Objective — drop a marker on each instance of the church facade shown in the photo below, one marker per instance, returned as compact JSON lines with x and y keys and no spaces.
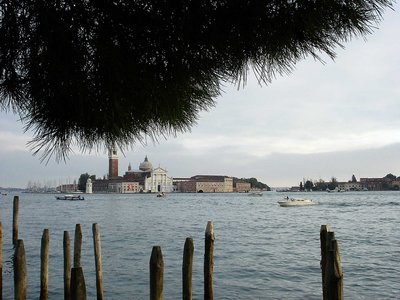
{"x":158,"y":181}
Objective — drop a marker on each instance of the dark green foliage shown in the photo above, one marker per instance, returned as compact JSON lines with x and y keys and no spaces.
{"x":308,"y":186}
{"x":390,"y":176}
{"x":99,"y":72}
{"x":333,"y":184}
{"x":82,"y":182}
{"x":320,"y":185}
{"x":254,"y":183}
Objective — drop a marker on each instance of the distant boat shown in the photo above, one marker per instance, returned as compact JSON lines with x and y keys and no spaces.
{"x":288,"y":202}
{"x":255,"y":193}
{"x":70,"y":197}
{"x":162,"y":194}
{"x":336,"y":190}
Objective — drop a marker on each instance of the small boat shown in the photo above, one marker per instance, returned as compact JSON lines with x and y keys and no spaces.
{"x":70,"y":197}
{"x":161,"y":194}
{"x":255,"y":193}
{"x":336,"y":189}
{"x":287,"y":202}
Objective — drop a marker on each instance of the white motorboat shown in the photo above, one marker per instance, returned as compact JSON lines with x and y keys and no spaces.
{"x":287,"y":202}
{"x":70,"y":197}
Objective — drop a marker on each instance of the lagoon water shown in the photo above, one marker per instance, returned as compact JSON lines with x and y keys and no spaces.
{"x":262,"y":251}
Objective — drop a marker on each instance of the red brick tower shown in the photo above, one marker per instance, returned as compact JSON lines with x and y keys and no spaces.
{"x":112,"y":163}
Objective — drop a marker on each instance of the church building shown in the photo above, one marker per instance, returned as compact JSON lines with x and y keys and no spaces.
{"x":146,"y":179}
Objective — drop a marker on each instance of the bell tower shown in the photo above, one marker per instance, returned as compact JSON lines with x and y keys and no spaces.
{"x":112,"y":162}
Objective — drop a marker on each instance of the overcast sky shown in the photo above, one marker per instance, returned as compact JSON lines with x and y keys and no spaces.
{"x":321,"y":121}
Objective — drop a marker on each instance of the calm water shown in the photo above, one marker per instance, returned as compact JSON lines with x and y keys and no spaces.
{"x":262,"y":251}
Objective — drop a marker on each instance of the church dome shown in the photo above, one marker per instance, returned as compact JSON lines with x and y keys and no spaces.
{"x":146,"y":166}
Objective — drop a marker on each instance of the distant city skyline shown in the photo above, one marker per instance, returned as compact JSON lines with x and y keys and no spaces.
{"x":319,"y":160}
{"x":321,"y":121}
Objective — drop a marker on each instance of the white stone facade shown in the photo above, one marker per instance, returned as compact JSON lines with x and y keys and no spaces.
{"x":89,"y":186}
{"x":158,"y":181}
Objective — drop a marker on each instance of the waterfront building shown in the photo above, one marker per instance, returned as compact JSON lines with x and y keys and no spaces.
{"x":350,"y":186}
{"x":242,"y":187}
{"x":129,"y":187}
{"x":124,"y":187}
{"x":295,"y":188}
{"x":68,"y":188}
{"x":205,"y":184}
{"x":185,"y":185}
{"x":114,"y":186}
{"x":375,"y":184}
{"x":395,"y":184}
{"x":370,"y":184}
{"x":100,"y":185}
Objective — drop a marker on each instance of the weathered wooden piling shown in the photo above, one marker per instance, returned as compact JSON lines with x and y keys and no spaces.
{"x":98,"y":262}
{"x":323,"y":240}
{"x":334,"y":274}
{"x":1,"y":261}
{"x":77,"y":246}
{"x":187,"y":266}
{"x":15,"y":219}
{"x":208,"y":261}
{"x":20,"y":274}
{"x":67,"y":266}
{"x":156,"y":274}
{"x":44,"y":265}
{"x":78,"y":286}
{"x":331,"y":267}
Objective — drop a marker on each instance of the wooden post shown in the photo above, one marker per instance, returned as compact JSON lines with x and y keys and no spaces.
{"x":156,"y":274}
{"x":338,"y":269}
{"x":328,"y":265}
{"x":208,"y":261}
{"x":78,"y":287}
{"x":15,"y":219}
{"x":1,"y":261}
{"x":44,"y":266}
{"x":323,"y":240}
{"x":77,"y":246}
{"x":187,"y":266}
{"x":333,"y":280}
{"x":334,"y":274}
{"x":20,"y":274}
{"x":98,"y":263}
{"x":67,"y":266}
